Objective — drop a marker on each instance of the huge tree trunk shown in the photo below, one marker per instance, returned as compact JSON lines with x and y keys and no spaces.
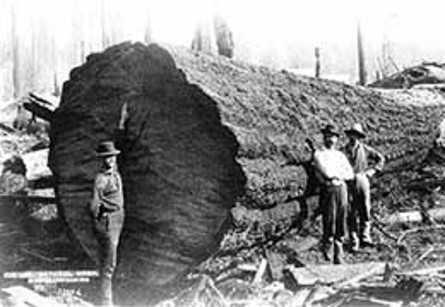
{"x":187,"y":149}
{"x":178,"y":163}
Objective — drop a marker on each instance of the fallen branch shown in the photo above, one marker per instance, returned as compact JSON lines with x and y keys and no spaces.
{"x":7,"y":128}
{"x":377,"y":224}
{"x":410,"y":231}
{"x":216,"y":292}
{"x":422,"y":256}
{"x":37,"y":255}
{"x":425,"y":271}
{"x":335,"y":275}
{"x":373,"y":270}
{"x":41,"y":100}
{"x":260,"y":272}
{"x":39,"y":110}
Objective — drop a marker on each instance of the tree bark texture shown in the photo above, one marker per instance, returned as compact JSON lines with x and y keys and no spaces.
{"x":202,"y":133}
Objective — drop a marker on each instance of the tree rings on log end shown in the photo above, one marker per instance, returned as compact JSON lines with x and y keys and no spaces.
{"x":178,"y":163}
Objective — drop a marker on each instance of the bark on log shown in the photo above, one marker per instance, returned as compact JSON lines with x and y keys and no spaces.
{"x":196,"y":130}
{"x":178,"y":163}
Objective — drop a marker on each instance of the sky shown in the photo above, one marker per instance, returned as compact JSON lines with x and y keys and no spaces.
{"x":278,"y":33}
{"x":284,"y":33}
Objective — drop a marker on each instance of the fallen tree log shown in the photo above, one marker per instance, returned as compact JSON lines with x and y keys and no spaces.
{"x":201,"y":134}
{"x":38,"y":110}
{"x":338,"y":275}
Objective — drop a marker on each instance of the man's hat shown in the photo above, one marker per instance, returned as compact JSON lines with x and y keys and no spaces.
{"x":330,"y":130}
{"x":106,"y":149}
{"x":356,"y":129}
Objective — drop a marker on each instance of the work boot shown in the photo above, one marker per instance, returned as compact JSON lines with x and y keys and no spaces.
{"x":326,"y":256}
{"x":338,"y":252}
{"x":366,"y":240}
{"x":326,"y":250}
{"x":354,"y":241}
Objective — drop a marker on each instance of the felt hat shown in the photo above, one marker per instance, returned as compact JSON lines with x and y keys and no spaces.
{"x":330,"y":130}
{"x":106,"y":149}
{"x":356,"y":129}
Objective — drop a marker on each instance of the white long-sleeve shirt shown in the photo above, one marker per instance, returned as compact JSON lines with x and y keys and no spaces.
{"x":332,"y":163}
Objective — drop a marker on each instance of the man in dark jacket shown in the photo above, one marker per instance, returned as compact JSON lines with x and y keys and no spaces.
{"x":107,"y":209}
{"x":360,"y":155}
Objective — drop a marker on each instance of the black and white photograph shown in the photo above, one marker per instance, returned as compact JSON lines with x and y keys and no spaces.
{"x":222,"y":153}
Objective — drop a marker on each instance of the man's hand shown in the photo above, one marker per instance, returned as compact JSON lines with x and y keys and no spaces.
{"x":124,"y":116}
{"x":94,"y":210}
{"x":336,"y":181}
{"x":370,"y":172}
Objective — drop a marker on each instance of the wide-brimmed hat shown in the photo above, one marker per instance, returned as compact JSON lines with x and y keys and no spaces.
{"x":106,"y":149}
{"x":356,"y":129}
{"x":330,"y":130}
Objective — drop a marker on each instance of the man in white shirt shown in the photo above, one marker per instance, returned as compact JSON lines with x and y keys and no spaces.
{"x":333,"y":170}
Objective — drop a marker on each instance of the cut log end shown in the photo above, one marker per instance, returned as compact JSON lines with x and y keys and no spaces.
{"x":178,"y":163}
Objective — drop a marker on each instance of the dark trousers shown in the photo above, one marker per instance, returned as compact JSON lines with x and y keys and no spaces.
{"x":108,"y":228}
{"x":359,"y":217}
{"x":333,"y":205}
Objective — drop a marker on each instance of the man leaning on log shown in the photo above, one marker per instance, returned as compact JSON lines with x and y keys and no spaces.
{"x":107,"y":209}
{"x":333,"y":170}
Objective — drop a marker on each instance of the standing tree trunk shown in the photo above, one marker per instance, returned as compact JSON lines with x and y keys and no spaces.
{"x":224,"y":37}
{"x":104,"y":25}
{"x":16,"y":78}
{"x":361,"y":57}
{"x":317,"y":63}
{"x":148,"y":28}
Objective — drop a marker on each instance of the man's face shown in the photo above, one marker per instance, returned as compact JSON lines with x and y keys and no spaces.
{"x":108,"y":162}
{"x":330,"y":140}
{"x":353,"y":138}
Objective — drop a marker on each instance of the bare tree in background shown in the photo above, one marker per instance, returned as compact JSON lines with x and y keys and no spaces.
{"x":361,"y":57}
{"x":317,"y":63}
{"x":197,"y":41}
{"x":202,"y":39}
{"x":147,"y":35}
{"x":15,"y":54}
{"x":224,"y":37}
{"x":105,"y":36}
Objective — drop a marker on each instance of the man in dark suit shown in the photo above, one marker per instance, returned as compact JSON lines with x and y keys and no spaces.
{"x":107,"y":209}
